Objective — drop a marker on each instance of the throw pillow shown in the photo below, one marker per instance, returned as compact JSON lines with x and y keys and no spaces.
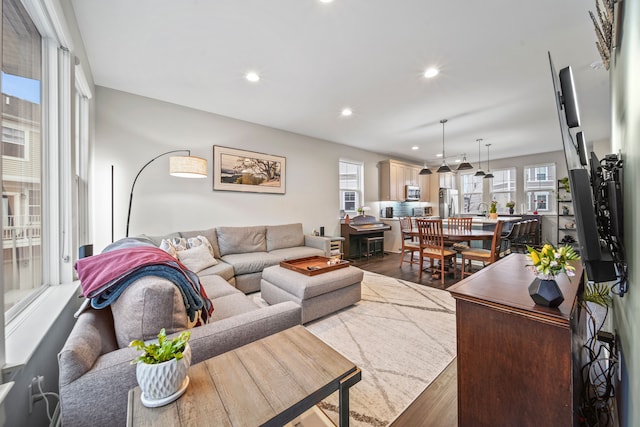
{"x":198,"y":241}
{"x":197,"y":258}
{"x":167,"y":246}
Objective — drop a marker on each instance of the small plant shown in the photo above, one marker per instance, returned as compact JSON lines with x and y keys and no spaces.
{"x":161,"y":351}
{"x":493,"y":208}
{"x":565,"y":184}
{"x":550,"y":262}
{"x":511,"y":204}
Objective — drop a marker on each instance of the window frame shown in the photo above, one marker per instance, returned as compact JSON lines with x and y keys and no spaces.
{"x":534,"y":188}
{"x":512,"y":191}
{"x":358,"y":191}
{"x":463,"y":194}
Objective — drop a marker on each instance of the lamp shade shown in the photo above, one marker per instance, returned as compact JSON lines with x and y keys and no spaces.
{"x":188,"y":167}
{"x":425,"y":171}
{"x":444,"y":168}
{"x":465,"y":165}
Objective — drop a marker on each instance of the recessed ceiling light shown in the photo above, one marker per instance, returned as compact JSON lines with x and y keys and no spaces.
{"x":252,"y":76}
{"x":431,"y":72}
{"x":415,"y":147}
{"x":439,"y":155}
{"x":346,"y":112}
{"x":457,"y":160}
{"x":326,"y":1}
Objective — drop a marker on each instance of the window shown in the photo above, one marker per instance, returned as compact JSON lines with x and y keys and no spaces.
{"x":21,"y":168}
{"x":539,"y":187}
{"x":471,"y":192}
{"x":350,"y":186}
{"x":13,"y":141}
{"x":503,"y":187}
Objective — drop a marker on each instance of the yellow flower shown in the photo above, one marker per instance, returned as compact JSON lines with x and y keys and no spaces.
{"x":535,"y":258}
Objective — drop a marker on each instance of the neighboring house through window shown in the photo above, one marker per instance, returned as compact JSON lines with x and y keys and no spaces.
{"x":539,"y":187}
{"x":472,"y":187}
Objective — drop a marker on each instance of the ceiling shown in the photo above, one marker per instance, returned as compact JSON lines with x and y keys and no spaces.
{"x":316,"y":58}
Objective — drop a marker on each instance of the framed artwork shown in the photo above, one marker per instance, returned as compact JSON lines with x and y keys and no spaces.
{"x":241,"y":170}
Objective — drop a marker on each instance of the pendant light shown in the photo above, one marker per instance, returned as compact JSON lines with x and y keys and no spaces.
{"x":479,"y":172}
{"x":464,"y":165}
{"x":425,"y":170}
{"x":444,"y":168}
{"x":489,"y":175}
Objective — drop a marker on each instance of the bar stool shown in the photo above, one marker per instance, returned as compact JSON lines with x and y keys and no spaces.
{"x":372,"y":243}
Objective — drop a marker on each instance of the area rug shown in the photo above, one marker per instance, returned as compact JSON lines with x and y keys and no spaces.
{"x":401,"y":334}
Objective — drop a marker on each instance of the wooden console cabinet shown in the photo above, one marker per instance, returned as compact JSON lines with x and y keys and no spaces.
{"x":518,"y":363}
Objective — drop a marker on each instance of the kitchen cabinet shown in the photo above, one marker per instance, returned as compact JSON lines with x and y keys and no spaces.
{"x":448,"y":180}
{"x":424,"y":182}
{"x":394,"y":176}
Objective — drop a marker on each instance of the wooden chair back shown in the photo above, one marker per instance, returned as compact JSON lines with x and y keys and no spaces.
{"x":495,"y":242}
{"x":458,"y":224}
{"x":405,"y":224}
{"x":430,"y":234}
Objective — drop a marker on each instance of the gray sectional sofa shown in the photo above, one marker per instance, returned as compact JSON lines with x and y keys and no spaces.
{"x":94,"y":364}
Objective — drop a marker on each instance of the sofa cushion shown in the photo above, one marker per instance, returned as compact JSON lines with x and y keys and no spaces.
{"x":216,"y":287}
{"x":221,"y":269}
{"x":145,"y":307}
{"x":297,"y":252}
{"x":211,"y":236}
{"x":197,"y":258}
{"x":253,"y":262}
{"x":284,"y":236}
{"x":240,"y":240}
{"x":231,"y":305}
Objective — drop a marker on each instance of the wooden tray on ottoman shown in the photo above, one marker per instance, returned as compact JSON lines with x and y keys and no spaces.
{"x":312,"y":265}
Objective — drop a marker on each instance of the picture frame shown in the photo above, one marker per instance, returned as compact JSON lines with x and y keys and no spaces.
{"x":248,"y":171}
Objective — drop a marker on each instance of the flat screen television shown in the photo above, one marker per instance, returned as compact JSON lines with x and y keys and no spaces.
{"x":592,"y":207}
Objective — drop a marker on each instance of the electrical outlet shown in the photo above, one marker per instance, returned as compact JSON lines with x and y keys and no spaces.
{"x":34,"y":391}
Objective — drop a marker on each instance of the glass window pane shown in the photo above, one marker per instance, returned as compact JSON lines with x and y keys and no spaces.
{"x":472,"y":187}
{"x":350,"y":186}
{"x":21,"y":159}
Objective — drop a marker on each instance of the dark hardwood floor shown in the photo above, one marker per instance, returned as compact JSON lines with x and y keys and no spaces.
{"x":389,"y":265}
{"x":437,"y":405}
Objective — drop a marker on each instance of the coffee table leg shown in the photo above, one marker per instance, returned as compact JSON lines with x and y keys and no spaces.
{"x":343,"y":396}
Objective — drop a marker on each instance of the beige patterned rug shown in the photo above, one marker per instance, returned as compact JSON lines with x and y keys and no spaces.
{"x":401,"y":334}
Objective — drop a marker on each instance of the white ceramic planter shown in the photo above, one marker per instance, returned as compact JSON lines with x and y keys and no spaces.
{"x":164,"y":379}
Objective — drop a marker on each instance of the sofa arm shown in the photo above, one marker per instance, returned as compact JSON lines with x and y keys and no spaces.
{"x":226,"y":334}
{"x":107,"y":382}
{"x":318,"y":242}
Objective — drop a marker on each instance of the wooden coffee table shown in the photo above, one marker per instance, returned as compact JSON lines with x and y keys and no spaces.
{"x":268,"y":382}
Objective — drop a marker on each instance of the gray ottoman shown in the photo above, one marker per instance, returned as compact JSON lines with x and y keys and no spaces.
{"x":318,"y":295}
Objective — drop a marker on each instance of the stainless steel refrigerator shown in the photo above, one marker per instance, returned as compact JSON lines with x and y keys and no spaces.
{"x":448,"y":202}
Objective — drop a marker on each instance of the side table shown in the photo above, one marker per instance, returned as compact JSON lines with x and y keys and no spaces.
{"x":268,"y":382}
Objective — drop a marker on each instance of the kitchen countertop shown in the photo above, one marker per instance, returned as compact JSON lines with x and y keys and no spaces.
{"x":485,"y":220}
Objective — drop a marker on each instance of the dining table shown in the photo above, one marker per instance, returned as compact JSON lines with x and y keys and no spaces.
{"x":458,"y":235}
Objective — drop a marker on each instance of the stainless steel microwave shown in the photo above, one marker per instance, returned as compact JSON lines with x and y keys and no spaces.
{"x":411,"y":192}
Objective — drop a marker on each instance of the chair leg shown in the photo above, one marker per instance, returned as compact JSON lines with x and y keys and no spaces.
{"x":442,"y":270}
{"x":420,"y":273}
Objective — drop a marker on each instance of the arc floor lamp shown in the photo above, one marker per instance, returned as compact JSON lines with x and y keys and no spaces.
{"x":181,"y":166}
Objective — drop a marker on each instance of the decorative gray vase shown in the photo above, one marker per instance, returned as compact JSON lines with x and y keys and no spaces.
{"x":546,"y":292}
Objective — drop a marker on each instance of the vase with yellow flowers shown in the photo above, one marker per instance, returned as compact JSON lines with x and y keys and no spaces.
{"x":547,"y":263}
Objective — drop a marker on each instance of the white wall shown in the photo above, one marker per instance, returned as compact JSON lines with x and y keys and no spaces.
{"x":625,"y":126}
{"x":131,"y":130}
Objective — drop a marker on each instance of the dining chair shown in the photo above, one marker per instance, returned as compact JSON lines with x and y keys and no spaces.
{"x":432,"y":246}
{"x":458,"y":225}
{"x":409,"y":244}
{"x":486,"y":256}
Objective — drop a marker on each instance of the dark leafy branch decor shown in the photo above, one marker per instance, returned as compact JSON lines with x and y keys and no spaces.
{"x":604,"y":28}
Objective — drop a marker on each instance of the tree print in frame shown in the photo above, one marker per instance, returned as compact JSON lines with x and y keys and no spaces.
{"x":241,"y":170}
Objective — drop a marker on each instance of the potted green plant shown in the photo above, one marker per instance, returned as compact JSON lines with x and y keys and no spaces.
{"x":161,"y":370}
{"x":511,"y":204}
{"x":547,"y":263}
{"x":564,"y":182}
{"x":493,"y":209}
